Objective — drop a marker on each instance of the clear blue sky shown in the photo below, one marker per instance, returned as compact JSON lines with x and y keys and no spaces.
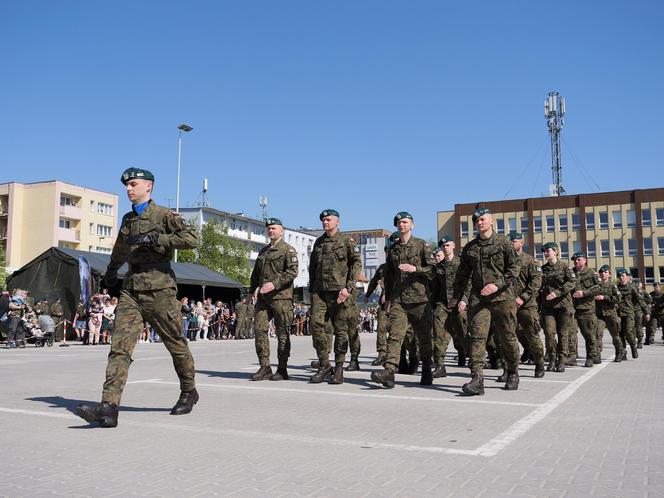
{"x":369,"y":107}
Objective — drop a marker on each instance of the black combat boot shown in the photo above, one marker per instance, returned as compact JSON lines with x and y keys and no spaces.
{"x":623,"y":356}
{"x":281,"y":373}
{"x":353,"y":365}
{"x":385,"y":377}
{"x":263,"y":373}
{"x":551,"y":366}
{"x":618,"y":357}
{"x":323,"y":371}
{"x":403,"y":363}
{"x":639,"y":345}
{"x":512,"y":383}
{"x":185,"y":403}
{"x":502,"y":377}
{"x":439,"y":371}
{"x":427,"y":376}
{"x":461,"y":360}
{"x":379,"y":361}
{"x":413,"y":364}
{"x":597,"y":358}
{"x":589,"y":362}
{"x":560,"y":365}
{"x":104,"y":414}
{"x":570,"y":361}
{"x":338,"y":377}
{"x":475,"y":387}
{"x":539,"y":370}
{"x":635,"y":353}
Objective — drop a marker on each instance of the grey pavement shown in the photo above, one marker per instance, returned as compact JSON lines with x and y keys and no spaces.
{"x":585,"y":432}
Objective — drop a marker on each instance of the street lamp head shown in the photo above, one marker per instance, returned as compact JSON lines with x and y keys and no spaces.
{"x":185,"y":127}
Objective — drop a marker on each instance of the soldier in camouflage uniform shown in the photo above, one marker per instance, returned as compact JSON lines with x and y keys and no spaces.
{"x":354,"y":343}
{"x":272,"y":290}
{"x":606,"y":304}
{"x":656,"y":313}
{"x":241,"y":311}
{"x":447,"y":325}
{"x":381,"y":332}
{"x":333,"y":268}
{"x":629,"y":301}
{"x":526,"y":290}
{"x":57,"y":314}
{"x":583,"y":297}
{"x":148,"y":236}
{"x":489,"y":267}
{"x":408,"y":271}
{"x":641,"y":313}
{"x":557,"y":309}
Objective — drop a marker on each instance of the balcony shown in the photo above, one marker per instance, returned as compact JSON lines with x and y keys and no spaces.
{"x":71,"y":212}
{"x":69,"y":234}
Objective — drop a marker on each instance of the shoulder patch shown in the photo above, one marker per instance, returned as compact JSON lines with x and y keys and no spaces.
{"x":356,"y":249}
{"x":293,"y":259}
{"x":539,"y":268}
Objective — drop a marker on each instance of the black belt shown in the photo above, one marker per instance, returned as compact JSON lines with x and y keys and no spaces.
{"x":141,"y":267}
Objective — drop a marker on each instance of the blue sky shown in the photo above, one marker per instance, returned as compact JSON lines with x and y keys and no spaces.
{"x":368,"y":107}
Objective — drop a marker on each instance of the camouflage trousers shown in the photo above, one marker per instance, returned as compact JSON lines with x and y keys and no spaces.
{"x":627,"y":335}
{"x":556,"y":324}
{"x":399,"y":318}
{"x":328,"y":319}
{"x":638,"y":326}
{"x":528,"y":327}
{"x":281,"y":310}
{"x":500,"y":317}
{"x":612,"y":322}
{"x":381,"y":332}
{"x":656,"y":319}
{"x":573,"y":339}
{"x":354,"y":343}
{"x":161,"y":309}
{"x":588,"y":325}
{"x":447,"y":326}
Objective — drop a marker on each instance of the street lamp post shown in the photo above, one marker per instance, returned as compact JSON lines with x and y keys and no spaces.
{"x":186,"y":129}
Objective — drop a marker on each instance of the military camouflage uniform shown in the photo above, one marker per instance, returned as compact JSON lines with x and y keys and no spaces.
{"x":607,"y":316}
{"x":656,"y":315}
{"x":335,"y":262}
{"x":408,"y":296}
{"x":639,"y":312}
{"x":354,"y":343}
{"x":277,"y":264}
{"x":241,"y":311}
{"x":586,"y":317}
{"x":489,"y":261}
{"x":629,"y":301}
{"x":447,"y":324}
{"x":381,"y":332}
{"x":57,"y":314}
{"x":527,"y":287}
{"x":557,"y":313}
{"x":148,"y":295}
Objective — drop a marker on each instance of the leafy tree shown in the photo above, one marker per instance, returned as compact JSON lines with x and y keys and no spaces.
{"x":3,"y":271}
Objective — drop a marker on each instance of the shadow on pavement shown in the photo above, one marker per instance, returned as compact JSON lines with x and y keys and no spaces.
{"x":71,"y":404}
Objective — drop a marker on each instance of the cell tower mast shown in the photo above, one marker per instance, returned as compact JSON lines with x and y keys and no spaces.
{"x":554,"y":110}
{"x":262,"y":202}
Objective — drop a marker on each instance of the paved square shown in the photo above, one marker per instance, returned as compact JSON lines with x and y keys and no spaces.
{"x":586,"y":432}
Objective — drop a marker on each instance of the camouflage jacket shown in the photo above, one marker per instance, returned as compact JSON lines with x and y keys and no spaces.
{"x":376,"y":280}
{"x":561,"y":280}
{"x":442,"y":286}
{"x":586,"y":281}
{"x":41,"y":308}
{"x":657,"y":302}
{"x":56,"y":310}
{"x":149,"y":267}
{"x":612,"y":298}
{"x":487,"y":261}
{"x":629,"y":301}
{"x":335,"y":263}
{"x":644,"y":300}
{"x":409,"y":288}
{"x":276,"y":264}
{"x":528,"y":283}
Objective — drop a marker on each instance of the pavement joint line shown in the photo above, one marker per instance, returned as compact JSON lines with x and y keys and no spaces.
{"x":494,"y":446}
{"x":343,"y":393}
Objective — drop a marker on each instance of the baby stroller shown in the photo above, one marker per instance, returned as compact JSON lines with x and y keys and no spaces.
{"x":35,"y":335}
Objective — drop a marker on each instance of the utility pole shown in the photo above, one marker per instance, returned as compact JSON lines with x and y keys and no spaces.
{"x":554,"y":110}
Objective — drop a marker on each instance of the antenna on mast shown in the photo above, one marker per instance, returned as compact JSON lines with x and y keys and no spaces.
{"x":554,"y":110}
{"x":202,"y":200}
{"x":262,"y":202}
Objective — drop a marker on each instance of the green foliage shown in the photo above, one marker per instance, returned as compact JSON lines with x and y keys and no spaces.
{"x":3,"y":271}
{"x":220,"y":252}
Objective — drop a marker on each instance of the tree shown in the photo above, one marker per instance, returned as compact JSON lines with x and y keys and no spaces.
{"x":3,"y":271}
{"x":220,"y":252}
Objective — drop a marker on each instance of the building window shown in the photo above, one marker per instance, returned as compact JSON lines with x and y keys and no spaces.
{"x":512,"y":224}
{"x":526,"y":249}
{"x":604,"y":247}
{"x":538,"y":248}
{"x":564,"y":250}
{"x":65,"y":200}
{"x":617,"y":219}
{"x":524,"y":224}
{"x":500,"y":225}
{"x":64,"y":223}
{"x":618,"y":247}
{"x":647,"y":247}
{"x":104,"y":231}
{"x":104,"y":250}
{"x":603,"y":220}
{"x":649,"y":275}
{"x":645,"y":218}
{"x":576,"y":246}
{"x":660,"y":246}
{"x":592,"y":249}
{"x":576,"y":222}
{"x":104,"y":208}
{"x":631,"y":218}
{"x":590,"y":221}
{"x":562,"y":220}
{"x":92,"y":228}
{"x":631,"y":247}
{"x":659,"y":214}
{"x":661,"y":274}
{"x":634,"y":272}
{"x":537,"y":221}
{"x":550,"y":224}
{"x":464,"y":229}
{"x":92,"y":208}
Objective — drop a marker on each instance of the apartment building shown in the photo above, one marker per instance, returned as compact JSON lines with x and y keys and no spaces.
{"x":372,"y":249}
{"x":624,"y":228}
{"x":37,"y":216}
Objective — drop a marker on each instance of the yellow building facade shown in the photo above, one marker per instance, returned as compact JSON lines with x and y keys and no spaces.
{"x":37,"y":216}
{"x":620,"y":229}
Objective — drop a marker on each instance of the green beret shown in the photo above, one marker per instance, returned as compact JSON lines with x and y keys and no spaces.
{"x":605,"y":268}
{"x":480,"y":212}
{"x":444,"y":240}
{"x":136,"y":174}
{"x":328,"y":212}
{"x":436,"y":251}
{"x":579,"y":254}
{"x":514,"y":235}
{"x":549,"y":245}
{"x":273,"y":221}
{"x":401,"y":215}
{"x":620,"y":271}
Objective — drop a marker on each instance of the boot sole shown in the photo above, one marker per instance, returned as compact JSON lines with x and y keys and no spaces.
{"x":472,"y":393}
{"x":91,"y":419}
{"x":188,"y":411}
